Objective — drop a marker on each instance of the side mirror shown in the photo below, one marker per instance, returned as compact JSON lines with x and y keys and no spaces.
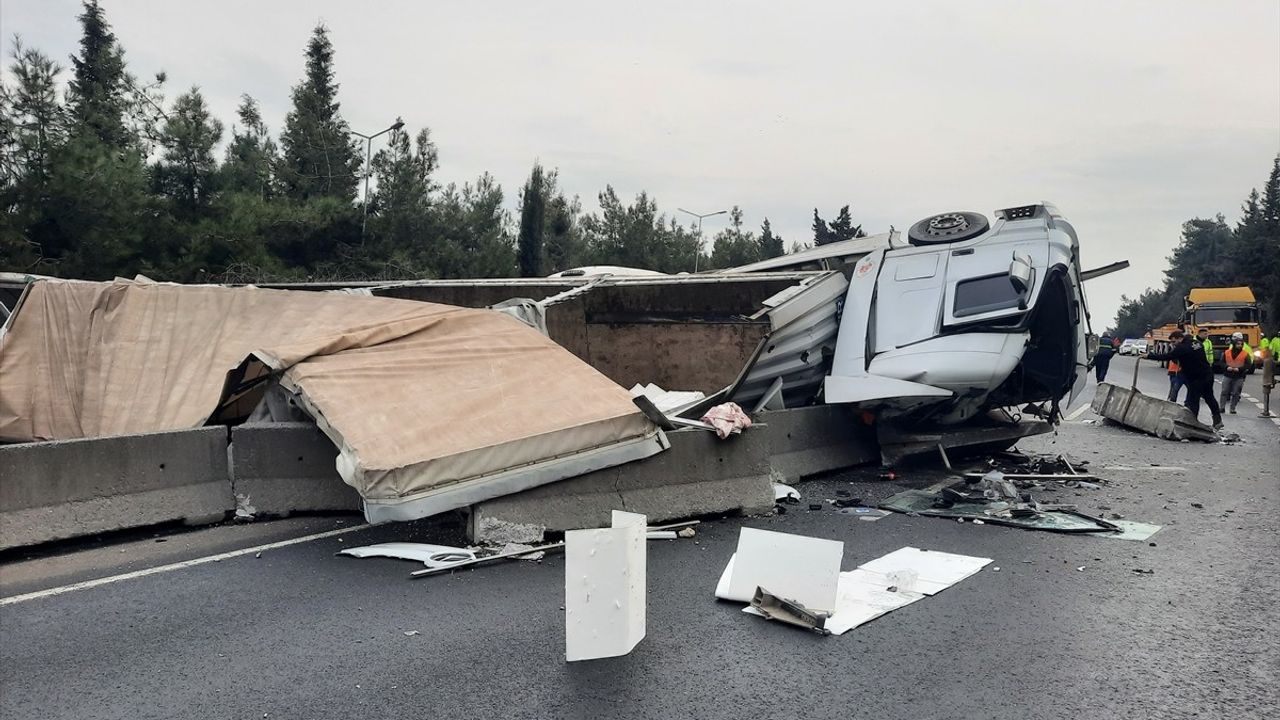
{"x":1020,"y":274}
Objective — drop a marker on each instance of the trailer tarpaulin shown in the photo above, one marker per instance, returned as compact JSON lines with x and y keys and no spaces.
{"x":432,"y":407}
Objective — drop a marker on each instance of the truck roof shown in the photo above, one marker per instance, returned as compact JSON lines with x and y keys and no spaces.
{"x":1202,"y":296}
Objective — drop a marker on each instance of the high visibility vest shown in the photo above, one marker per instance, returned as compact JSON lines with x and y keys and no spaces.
{"x":1235,"y":358}
{"x":1208,"y":350}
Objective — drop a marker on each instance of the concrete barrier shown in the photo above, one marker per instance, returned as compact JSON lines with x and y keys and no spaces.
{"x":813,"y":440}
{"x":1155,"y":416}
{"x":698,"y":475}
{"x":288,"y":467}
{"x":64,"y":489}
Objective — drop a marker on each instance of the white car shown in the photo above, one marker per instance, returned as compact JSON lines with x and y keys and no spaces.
{"x":1127,"y":347}
{"x":966,"y":317}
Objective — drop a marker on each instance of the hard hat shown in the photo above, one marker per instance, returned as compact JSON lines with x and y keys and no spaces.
{"x":1237,"y":336}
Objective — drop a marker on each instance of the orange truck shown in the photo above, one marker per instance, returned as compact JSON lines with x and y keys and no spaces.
{"x":1224,"y":311}
{"x":1158,"y":340}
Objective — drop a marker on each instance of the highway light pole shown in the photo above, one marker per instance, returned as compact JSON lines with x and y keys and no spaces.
{"x":698,"y":255}
{"x":368,"y":168}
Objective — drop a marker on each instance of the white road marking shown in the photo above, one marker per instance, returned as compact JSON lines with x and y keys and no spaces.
{"x":1077,"y":412}
{"x":85,"y":585}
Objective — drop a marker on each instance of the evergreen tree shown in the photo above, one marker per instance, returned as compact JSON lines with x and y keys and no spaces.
{"x":733,"y":247}
{"x":401,"y":241}
{"x":842,"y":228}
{"x":474,"y":231}
{"x":97,"y":199}
{"x":533,"y":207}
{"x":32,"y":128}
{"x":563,"y":244}
{"x":821,"y":231}
{"x":97,"y":93}
{"x":771,"y":246}
{"x":188,"y":170}
{"x":251,"y":154}
{"x":319,"y":158}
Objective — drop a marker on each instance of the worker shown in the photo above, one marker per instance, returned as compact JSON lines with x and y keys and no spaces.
{"x":1197,"y":374}
{"x":1102,"y":361}
{"x":1236,"y":359}
{"x":1175,"y":380}
{"x":1202,"y":336}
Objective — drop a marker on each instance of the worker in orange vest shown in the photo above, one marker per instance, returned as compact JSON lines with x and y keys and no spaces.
{"x":1236,"y":359}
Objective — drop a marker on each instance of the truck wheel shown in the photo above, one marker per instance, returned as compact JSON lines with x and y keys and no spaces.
{"x":947,"y":228}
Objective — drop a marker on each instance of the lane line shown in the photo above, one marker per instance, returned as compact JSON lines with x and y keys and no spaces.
{"x":1077,"y":412}
{"x":86,"y":584}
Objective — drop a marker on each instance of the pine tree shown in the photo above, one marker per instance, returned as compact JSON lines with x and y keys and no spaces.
{"x":97,"y":203}
{"x":251,"y":154}
{"x":533,"y":207}
{"x":401,"y":241}
{"x":733,"y":247}
{"x":319,"y":158}
{"x":187,"y":173}
{"x":842,"y":228}
{"x":32,"y":127}
{"x":98,"y":88}
{"x":821,"y":231}
{"x":771,"y":246}
{"x":563,"y":246}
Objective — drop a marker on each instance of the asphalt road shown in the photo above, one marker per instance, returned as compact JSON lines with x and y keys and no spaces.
{"x":300,"y":633}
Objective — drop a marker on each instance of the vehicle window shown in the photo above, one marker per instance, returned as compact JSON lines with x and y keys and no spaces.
{"x":985,"y":294}
{"x":1227,"y":315}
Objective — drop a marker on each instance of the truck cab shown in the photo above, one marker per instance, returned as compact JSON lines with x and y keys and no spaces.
{"x":966,"y":317}
{"x":1224,"y":311}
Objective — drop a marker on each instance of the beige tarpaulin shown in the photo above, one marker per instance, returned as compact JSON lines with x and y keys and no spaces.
{"x":431,"y":406}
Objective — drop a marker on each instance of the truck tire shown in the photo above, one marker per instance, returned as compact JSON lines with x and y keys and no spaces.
{"x":947,"y":228}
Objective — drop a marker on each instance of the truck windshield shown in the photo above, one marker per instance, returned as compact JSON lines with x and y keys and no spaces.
{"x":1226,"y":315}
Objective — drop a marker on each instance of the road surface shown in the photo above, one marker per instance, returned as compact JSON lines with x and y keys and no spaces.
{"x":1064,"y":629}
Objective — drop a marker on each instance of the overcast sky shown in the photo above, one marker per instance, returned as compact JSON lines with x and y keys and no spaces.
{"x":1131,"y":116}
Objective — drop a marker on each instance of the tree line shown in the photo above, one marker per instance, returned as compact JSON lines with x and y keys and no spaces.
{"x":1213,"y":254}
{"x":110,"y":178}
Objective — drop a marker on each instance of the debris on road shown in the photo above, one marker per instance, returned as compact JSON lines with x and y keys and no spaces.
{"x":964,"y":501}
{"x":605,"y":588}
{"x":864,"y":513}
{"x":531,"y":553}
{"x":882,"y":585}
{"x":772,"y":607}
{"x":1154,"y":416}
{"x":433,"y":556}
{"x":807,"y":567}
{"x":785,"y":493}
{"x":245,"y":512}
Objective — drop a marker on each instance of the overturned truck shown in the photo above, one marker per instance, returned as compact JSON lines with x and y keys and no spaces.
{"x":947,"y":337}
{"x":434,"y":402}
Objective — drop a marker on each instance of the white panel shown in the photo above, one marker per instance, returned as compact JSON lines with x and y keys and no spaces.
{"x":934,"y":571}
{"x":796,"y":567}
{"x":604,"y":588}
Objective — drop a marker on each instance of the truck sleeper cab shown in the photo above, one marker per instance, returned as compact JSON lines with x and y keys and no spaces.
{"x":964,"y":318}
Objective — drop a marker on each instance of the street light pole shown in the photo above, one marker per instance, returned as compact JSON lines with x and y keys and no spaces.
{"x":368,"y":169}
{"x":698,"y":255}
